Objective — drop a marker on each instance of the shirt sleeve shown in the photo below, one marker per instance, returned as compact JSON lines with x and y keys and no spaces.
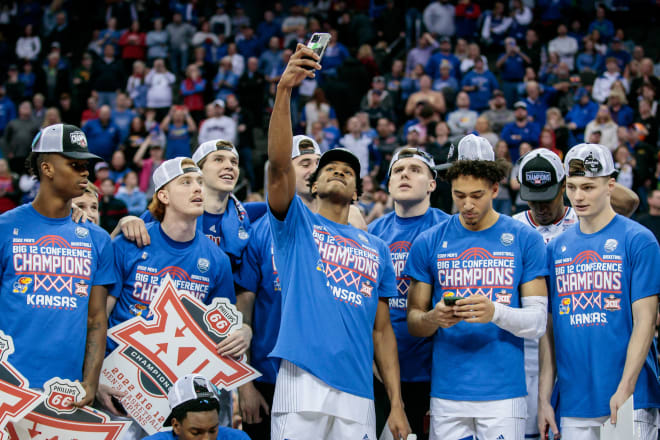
{"x":535,"y":257}
{"x":223,"y":283}
{"x":284,"y":230}
{"x":249,"y":272}
{"x":417,"y":266}
{"x":106,"y":258}
{"x":118,"y":266}
{"x":387,"y":286}
{"x":644,"y":262}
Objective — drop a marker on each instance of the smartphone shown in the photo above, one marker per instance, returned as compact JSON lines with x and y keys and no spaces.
{"x":318,"y":44}
{"x":450,"y":300}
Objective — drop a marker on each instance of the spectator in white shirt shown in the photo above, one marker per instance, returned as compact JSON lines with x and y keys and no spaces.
{"x":217,"y":125}
{"x":28,"y":46}
{"x":159,"y":80}
{"x":565,"y":46}
{"x":603,"y":84}
{"x":439,"y":18}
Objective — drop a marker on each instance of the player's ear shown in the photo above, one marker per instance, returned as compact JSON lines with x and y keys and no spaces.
{"x":47,"y":169}
{"x":163,"y":196}
{"x":495,"y":189}
{"x":432,"y":186}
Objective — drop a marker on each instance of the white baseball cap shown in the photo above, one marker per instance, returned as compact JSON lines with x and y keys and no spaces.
{"x":596,"y":158}
{"x":170,"y":170}
{"x":209,"y":147}
{"x":309,"y":146}
{"x":473,"y":147}
{"x":415,"y":153}
{"x":191,"y":387}
{"x":540,"y":173}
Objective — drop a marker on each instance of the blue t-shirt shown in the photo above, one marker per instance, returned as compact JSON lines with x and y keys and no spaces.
{"x":399,"y":233}
{"x":258,"y":274}
{"x":594,"y":279}
{"x":178,"y":142}
{"x":477,"y":362}
{"x":230,"y":230}
{"x":223,"y":434}
{"x":197,"y":267}
{"x":485,"y":83}
{"x":48,"y":268}
{"x":332,"y":276}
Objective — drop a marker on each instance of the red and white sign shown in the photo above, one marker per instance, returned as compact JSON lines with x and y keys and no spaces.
{"x":180,"y":339}
{"x":16,"y":399}
{"x":56,"y":418}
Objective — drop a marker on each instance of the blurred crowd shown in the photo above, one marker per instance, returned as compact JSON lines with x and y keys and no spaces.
{"x":149,"y":80}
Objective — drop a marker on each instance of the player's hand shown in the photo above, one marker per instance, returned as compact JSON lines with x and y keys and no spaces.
{"x":78,"y":215}
{"x":616,"y":401}
{"x":237,"y":343}
{"x":398,"y":423}
{"x":104,"y":394}
{"x":295,"y":73}
{"x":476,"y":308}
{"x":135,"y":230}
{"x":546,"y":419}
{"x":250,"y":401}
{"x":442,"y":315}
{"x":90,"y":392}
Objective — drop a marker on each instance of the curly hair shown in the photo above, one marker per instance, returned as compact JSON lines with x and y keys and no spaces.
{"x":479,"y":169}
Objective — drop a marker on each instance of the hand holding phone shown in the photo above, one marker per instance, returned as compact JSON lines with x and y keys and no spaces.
{"x":318,"y":43}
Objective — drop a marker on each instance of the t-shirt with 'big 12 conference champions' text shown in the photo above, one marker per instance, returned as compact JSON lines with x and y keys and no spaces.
{"x":399,"y":233}
{"x":477,"y":362}
{"x":595,"y":279}
{"x":48,"y":270}
{"x":197,"y":267}
{"x":332,"y":278}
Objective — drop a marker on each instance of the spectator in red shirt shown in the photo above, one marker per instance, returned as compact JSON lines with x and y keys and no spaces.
{"x":133,"y":46}
{"x":192,"y":90}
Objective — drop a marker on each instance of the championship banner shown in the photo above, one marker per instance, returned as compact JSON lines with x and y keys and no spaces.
{"x":180,"y":339}
{"x":16,"y":399}
{"x":56,"y":418}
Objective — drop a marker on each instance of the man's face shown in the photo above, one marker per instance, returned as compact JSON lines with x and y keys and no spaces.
{"x":107,"y":187}
{"x":89,"y":204}
{"x":68,"y":176}
{"x":654,"y":200}
{"x":104,"y":114}
{"x":221,"y":171}
{"x":184,"y":195}
{"x":473,"y":198}
{"x":410,"y":181}
{"x":304,"y":165}
{"x":588,"y":195}
{"x":520,"y":113}
{"x":383,"y":128}
{"x":201,"y":425}
{"x":548,"y":212}
{"x":337,"y":182}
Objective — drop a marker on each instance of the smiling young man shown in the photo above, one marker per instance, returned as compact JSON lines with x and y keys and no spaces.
{"x":604,"y":284}
{"x":177,"y":248}
{"x":335,"y":282}
{"x":259,"y":297}
{"x":42,"y":245}
{"x":195,"y":406}
{"x":495,"y":266}
{"x":411,"y":182}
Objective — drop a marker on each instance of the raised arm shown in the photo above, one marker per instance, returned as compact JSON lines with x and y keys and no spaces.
{"x":281,"y":177}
